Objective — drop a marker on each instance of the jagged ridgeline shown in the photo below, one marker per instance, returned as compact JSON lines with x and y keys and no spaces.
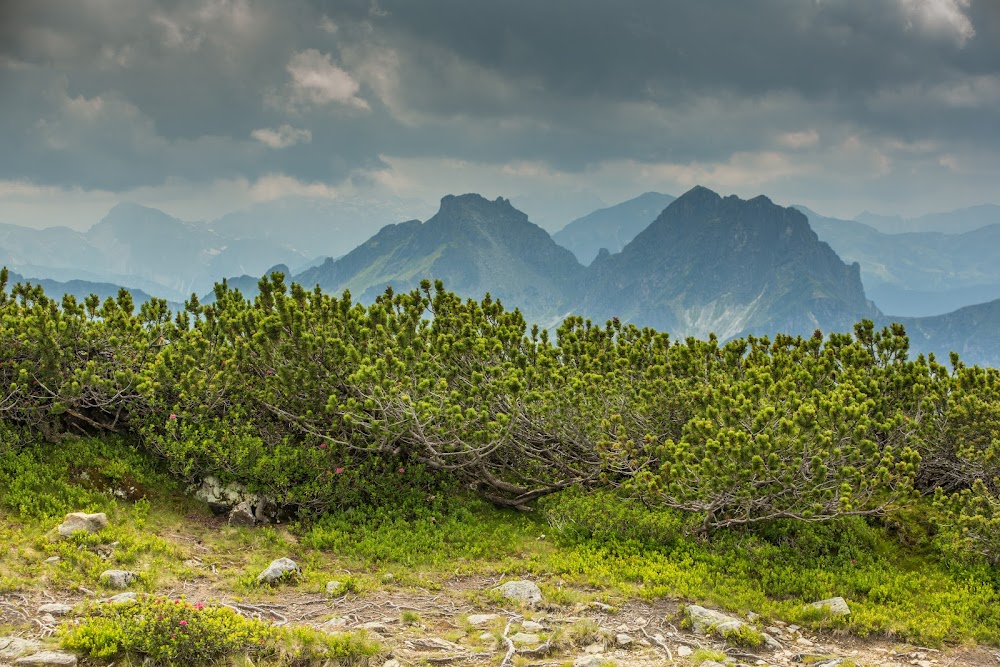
{"x":322,"y":402}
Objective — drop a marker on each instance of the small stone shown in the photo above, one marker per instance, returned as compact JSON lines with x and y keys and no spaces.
{"x":521,"y":591}
{"x":774,"y":630}
{"x":752,"y":617}
{"x":52,"y":559}
{"x":333,"y":587}
{"x":488,"y":637}
{"x":48,"y":659}
{"x":596,"y":647}
{"x":802,"y":641}
{"x":712,"y":663}
{"x":432,"y":644}
{"x":592,"y":661}
{"x":80,"y":522}
{"x":118,"y":578}
{"x":792,"y":628}
{"x":376,"y":627}
{"x":623,"y":640}
{"x":122,"y":598}
{"x":335,"y":623}
{"x":601,"y":606}
{"x":279,"y":567}
{"x":392,"y":662}
{"x":524,"y":638}
{"x":477,"y":620}
{"x":684,"y":651}
{"x":532,"y":626}
{"x":834,"y":606}
{"x":55,"y":608}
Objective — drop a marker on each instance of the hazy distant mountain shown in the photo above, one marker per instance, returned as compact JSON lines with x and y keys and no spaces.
{"x":728,"y":266}
{"x":918,"y":274}
{"x":316,"y":227}
{"x":80,"y":289}
{"x":950,"y":222}
{"x":973,"y":332}
{"x":474,"y":245}
{"x":143,"y":247}
{"x":611,"y":228}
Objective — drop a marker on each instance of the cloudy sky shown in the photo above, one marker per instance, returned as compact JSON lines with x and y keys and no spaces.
{"x":200,"y":107}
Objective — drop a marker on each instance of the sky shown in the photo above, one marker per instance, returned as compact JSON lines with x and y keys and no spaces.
{"x":201,"y":107}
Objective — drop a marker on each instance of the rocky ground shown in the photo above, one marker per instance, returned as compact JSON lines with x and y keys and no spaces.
{"x":481,"y":621}
{"x":431,"y":628}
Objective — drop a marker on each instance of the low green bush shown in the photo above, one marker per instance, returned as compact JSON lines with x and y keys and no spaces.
{"x":177,"y":632}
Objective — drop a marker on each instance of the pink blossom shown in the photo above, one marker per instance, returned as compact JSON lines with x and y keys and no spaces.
{"x":322,"y":446}
{"x":339,"y":470}
{"x":402,"y":470}
{"x":199,"y":606}
{"x":173,"y":416}
{"x":184,"y":622}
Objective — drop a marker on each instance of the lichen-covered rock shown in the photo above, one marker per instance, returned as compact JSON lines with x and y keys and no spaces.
{"x":526,"y":592}
{"x":478,"y":620}
{"x":118,"y":578}
{"x":525,"y":639}
{"x":279,"y":568}
{"x":121,"y":598}
{"x":80,"y":522}
{"x":834,"y":606}
{"x":705,"y":620}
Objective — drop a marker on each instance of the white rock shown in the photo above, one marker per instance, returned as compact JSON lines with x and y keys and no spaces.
{"x":278,"y":568}
{"x":532,"y":626}
{"x":52,"y":559}
{"x":80,"y":522}
{"x":684,"y":651}
{"x":333,"y":587}
{"x":477,"y":620}
{"x":122,"y":598}
{"x":55,"y":608}
{"x":521,"y":591}
{"x":623,"y":640}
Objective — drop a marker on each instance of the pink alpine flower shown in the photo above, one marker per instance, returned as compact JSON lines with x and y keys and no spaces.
{"x":173,"y":416}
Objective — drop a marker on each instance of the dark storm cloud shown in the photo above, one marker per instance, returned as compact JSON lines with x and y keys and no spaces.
{"x":122,"y":93}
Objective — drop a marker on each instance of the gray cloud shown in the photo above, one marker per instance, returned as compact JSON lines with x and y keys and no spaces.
{"x":832,"y":98}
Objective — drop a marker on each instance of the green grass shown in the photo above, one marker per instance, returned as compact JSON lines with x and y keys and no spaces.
{"x":899,"y":581}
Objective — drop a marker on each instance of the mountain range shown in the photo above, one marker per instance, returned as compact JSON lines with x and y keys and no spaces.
{"x":691,"y":266}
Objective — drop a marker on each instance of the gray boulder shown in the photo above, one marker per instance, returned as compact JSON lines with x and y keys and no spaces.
{"x":834,"y":606}
{"x":14,"y":647}
{"x":48,"y":659}
{"x":242,"y":515}
{"x":55,"y":608}
{"x":715,"y":622}
{"x":80,"y":522}
{"x":278,"y":568}
{"x":526,"y":592}
{"x":121,"y":598}
{"x":118,"y":578}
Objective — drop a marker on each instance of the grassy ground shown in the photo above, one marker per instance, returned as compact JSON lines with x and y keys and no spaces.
{"x":900,"y":581}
